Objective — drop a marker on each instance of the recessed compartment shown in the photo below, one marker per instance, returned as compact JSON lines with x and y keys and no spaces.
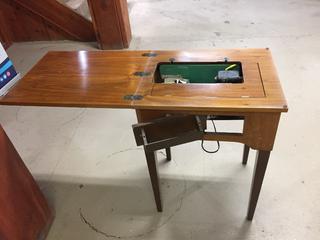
{"x":199,"y":72}
{"x":202,"y":81}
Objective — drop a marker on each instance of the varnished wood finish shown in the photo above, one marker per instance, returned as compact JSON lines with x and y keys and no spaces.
{"x":5,"y":37}
{"x":151,"y":158}
{"x":262,"y":159}
{"x":23,"y":25}
{"x":259,"y":133}
{"x":24,"y":212}
{"x":167,"y":132}
{"x":102,"y":79}
{"x":259,"y":130}
{"x":62,"y":17}
{"x":245,"y":156}
{"x":165,"y":128}
{"x":224,"y":137}
{"x":32,"y":20}
{"x":148,"y":115}
{"x":111,"y":23}
{"x":168,"y":154}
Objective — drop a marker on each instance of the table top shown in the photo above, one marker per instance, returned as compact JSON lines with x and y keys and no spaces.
{"x":108,"y":79}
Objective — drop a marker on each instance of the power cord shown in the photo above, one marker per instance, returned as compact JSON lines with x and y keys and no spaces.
{"x":218,"y":142}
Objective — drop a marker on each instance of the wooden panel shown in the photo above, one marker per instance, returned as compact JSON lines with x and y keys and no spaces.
{"x":28,"y":21}
{"x":5,"y":36}
{"x":102,"y":79}
{"x":225,"y":137}
{"x":124,"y":22}
{"x":148,"y":115}
{"x":24,"y":212}
{"x":54,"y":33}
{"x":35,"y":30}
{"x":62,"y":17}
{"x":259,"y":128}
{"x":111,"y":23}
{"x":23,"y":25}
{"x":81,"y":78}
{"x":165,"y":128}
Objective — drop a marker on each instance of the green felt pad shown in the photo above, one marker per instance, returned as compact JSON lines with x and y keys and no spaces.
{"x":196,"y":73}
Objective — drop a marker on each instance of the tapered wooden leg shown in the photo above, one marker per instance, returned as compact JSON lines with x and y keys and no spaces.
{"x":168,"y":153}
{"x":246,"y":149}
{"x":153,"y":172}
{"x":258,"y":175}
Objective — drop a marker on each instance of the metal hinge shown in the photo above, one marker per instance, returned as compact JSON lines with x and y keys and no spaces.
{"x":142,"y":74}
{"x":133,"y":97}
{"x":149,"y":54}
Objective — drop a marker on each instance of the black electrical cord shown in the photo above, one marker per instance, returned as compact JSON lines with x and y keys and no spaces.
{"x":218,"y":142}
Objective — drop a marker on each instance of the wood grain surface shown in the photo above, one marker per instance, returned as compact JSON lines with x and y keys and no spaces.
{"x":24,"y":212}
{"x":111,"y":23}
{"x":62,"y":17}
{"x":104,"y":78}
{"x":5,"y":36}
{"x":32,"y":20}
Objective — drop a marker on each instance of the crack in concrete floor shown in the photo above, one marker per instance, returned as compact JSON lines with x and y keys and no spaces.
{"x":114,"y":236}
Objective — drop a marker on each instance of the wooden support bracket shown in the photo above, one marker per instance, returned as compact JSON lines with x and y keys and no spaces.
{"x":111,"y":23}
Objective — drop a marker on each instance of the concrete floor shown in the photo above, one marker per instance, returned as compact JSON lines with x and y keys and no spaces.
{"x":94,"y":176}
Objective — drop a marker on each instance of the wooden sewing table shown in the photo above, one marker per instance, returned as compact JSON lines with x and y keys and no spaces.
{"x":125,"y":79}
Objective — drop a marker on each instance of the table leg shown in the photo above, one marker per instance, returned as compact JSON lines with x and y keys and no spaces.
{"x":246,"y":149}
{"x":153,"y":172}
{"x":168,"y":153}
{"x":258,"y":175}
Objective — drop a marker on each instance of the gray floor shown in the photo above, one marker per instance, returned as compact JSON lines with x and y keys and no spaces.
{"x":87,"y":164}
